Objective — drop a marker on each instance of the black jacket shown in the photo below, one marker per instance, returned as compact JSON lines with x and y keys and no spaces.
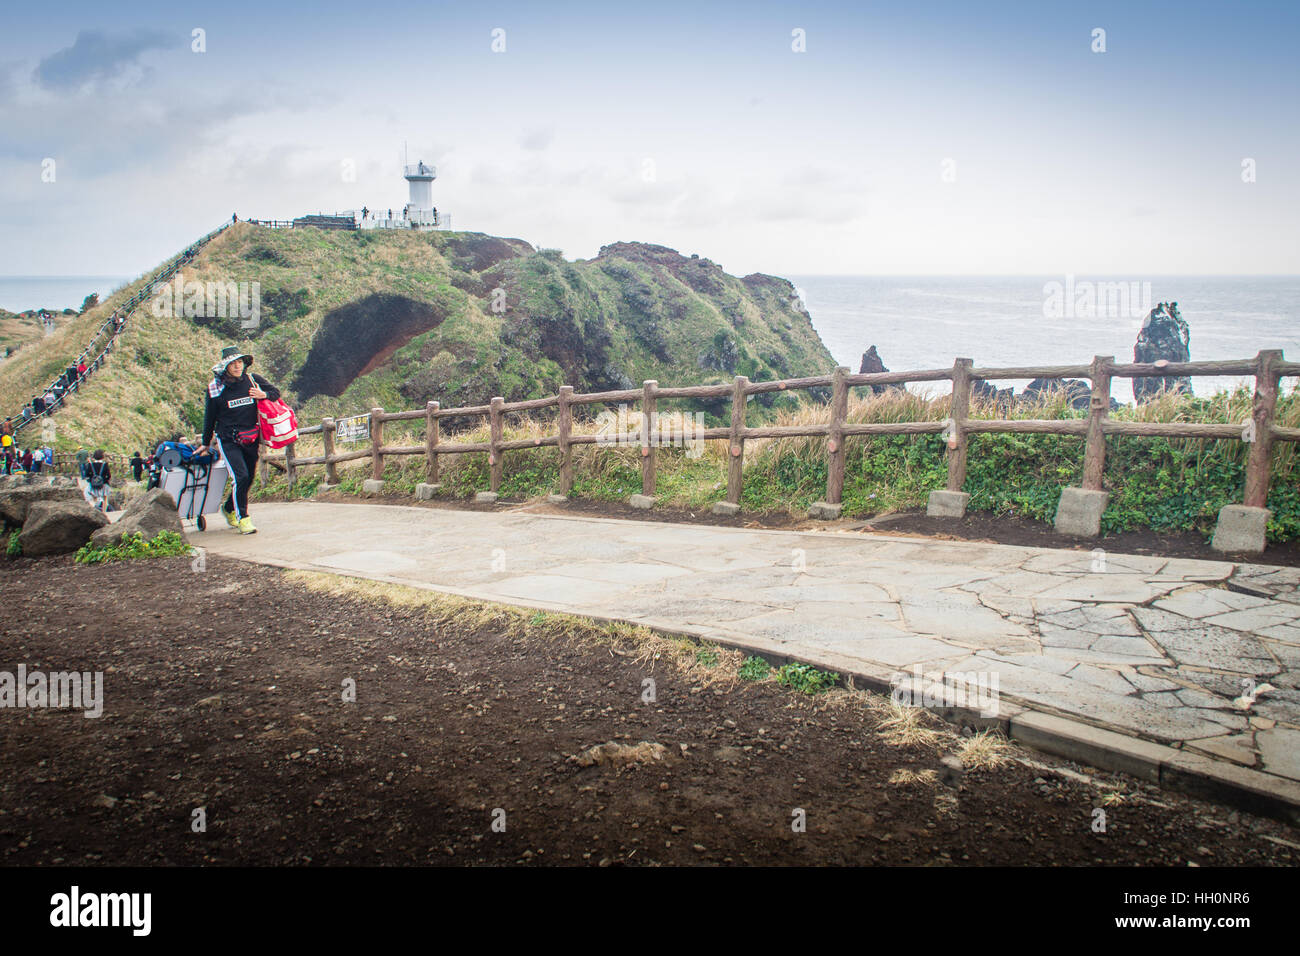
{"x":234,"y":410}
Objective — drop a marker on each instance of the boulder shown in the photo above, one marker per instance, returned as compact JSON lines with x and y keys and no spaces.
{"x":1164,"y":337}
{"x":148,"y":514}
{"x":54,"y":527}
{"x":17,"y":499}
{"x":1078,"y":393}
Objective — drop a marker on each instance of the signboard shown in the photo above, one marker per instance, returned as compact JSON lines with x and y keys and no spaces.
{"x":352,"y":429}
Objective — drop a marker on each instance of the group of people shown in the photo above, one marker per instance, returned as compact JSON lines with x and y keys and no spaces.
{"x":231,"y":432}
{"x":15,"y":460}
{"x":69,"y":380}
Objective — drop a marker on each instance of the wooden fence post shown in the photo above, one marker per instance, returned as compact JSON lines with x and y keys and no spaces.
{"x":431,"y":442}
{"x":958,"y":411}
{"x":566,"y":449}
{"x":327,"y":436}
{"x":289,"y":469}
{"x":377,"y":442}
{"x":1094,"y":457}
{"x":835,"y":440}
{"x":1259,"y":457}
{"x":649,"y":436}
{"x":264,"y":467}
{"x":494,"y":439}
{"x":736,"y":441}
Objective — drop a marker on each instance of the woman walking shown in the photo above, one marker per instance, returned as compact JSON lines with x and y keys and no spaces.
{"x":230,"y":427}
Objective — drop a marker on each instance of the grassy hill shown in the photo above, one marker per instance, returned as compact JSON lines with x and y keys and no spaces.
{"x":350,"y":320}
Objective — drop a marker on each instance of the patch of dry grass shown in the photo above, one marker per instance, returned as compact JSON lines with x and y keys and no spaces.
{"x":984,"y":751}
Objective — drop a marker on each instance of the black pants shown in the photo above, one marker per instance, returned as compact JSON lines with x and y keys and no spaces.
{"x":242,"y":462}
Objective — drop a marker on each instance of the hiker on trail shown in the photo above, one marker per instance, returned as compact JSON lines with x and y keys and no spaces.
{"x":38,"y":460}
{"x":98,"y":475}
{"x":137,"y":466}
{"x":27,"y":460}
{"x":231,"y":426}
{"x":82,"y":456}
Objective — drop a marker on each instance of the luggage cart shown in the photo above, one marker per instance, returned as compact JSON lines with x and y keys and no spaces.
{"x":196,"y":482}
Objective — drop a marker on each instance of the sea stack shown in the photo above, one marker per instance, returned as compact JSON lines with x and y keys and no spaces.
{"x":1164,"y":336}
{"x":871,"y":363}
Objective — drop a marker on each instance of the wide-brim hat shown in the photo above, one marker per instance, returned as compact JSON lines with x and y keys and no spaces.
{"x":230,"y":354}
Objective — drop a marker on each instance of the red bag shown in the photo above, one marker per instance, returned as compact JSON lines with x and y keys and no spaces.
{"x":279,"y":426}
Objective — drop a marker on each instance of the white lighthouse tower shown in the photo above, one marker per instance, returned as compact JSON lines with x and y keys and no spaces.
{"x":420,"y":212}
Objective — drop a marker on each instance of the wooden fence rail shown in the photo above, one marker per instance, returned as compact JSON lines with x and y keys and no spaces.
{"x":1260,"y":431}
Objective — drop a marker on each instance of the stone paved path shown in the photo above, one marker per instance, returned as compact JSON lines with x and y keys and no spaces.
{"x":1147,"y":647}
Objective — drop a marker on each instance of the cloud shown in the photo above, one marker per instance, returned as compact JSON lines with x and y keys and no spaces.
{"x":536,"y":140}
{"x":96,"y":55}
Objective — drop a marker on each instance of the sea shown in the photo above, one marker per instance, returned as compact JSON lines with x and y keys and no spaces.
{"x":56,"y":293}
{"x":924,"y":322}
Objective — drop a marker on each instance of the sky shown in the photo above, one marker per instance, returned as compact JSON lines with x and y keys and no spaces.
{"x":788,"y":138}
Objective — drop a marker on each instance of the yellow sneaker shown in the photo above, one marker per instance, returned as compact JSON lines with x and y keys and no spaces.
{"x":230,"y":518}
{"x":246,"y":526}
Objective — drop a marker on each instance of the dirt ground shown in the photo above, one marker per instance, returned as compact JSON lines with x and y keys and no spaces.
{"x":975,"y":526}
{"x":224,"y":690}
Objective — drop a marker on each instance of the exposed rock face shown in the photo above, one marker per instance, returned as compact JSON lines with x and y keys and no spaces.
{"x":150,"y":513}
{"x":17,"y":499}
{"x":358,"y":337}
{"x":1164,"y":336}
{"x":55,"y":527}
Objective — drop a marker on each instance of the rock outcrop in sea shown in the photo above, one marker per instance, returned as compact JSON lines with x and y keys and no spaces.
{"x":871,"y":362}
{"x":1164,"y":336}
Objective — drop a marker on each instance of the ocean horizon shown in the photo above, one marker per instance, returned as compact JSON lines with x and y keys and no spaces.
{"x":923,"y":322}
{"x":22,"y":293}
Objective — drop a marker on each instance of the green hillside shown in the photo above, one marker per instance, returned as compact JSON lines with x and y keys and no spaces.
{"x":350,"y":320}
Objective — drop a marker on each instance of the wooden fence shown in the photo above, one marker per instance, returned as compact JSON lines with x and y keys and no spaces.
{"x":1268,"y":367}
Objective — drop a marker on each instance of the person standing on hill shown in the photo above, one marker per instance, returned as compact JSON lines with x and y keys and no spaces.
{"x":230,"y":426}
{"x":137,"y":466}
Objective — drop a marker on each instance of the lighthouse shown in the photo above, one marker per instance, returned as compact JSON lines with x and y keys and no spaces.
{"x":419,"y":211}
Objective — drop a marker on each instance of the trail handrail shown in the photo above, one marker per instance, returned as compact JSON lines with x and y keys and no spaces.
{"x":117,"y":320}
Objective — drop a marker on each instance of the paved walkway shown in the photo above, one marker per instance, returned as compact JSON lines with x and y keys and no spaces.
{"x":1156,"y":650}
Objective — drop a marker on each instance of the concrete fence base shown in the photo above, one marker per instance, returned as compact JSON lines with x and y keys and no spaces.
{"x":946,"y":504}
{"x":1079,"y":512}
{"x":372,"y":486}
{"x":725,"y":508}
{"x":824,"y":510}
{"x":1240,"y":528}
{"x":425,"y":491}
{"x":486,"y":497}
{"x":644,"y":502}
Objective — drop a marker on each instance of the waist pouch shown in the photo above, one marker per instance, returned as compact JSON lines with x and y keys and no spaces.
{"x":248,"y":436}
